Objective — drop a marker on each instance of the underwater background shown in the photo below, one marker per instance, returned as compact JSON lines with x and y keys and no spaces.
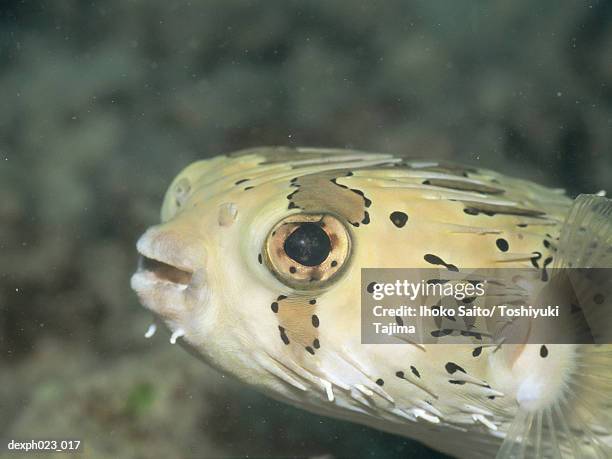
{"x":103,"y":103}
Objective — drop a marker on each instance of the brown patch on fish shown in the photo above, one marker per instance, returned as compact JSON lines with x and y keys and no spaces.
{"x":320,"y":191}
{"x":476,"y":208}
{"x":463,"y":186}
{"x":298,"y":323}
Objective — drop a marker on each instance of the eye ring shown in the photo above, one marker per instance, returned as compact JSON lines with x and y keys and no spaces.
{"x":306,"y":251}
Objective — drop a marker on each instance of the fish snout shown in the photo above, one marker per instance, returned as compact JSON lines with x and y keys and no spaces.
{"x":170,"y":270}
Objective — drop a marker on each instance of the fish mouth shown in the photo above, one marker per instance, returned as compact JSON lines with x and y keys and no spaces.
{"x":169,"y":280}
{"x":159,"y":271}
{"x":161,"y":262}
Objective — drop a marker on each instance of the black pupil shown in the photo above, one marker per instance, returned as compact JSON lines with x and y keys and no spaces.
{"x":309,"y":245}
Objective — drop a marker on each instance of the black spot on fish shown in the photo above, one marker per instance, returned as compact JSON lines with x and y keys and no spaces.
{"x":400,"y":374}
{"x":437,"y":281}
{"x":310,"y":350}
{"x":248,"y":188}
{"x":274,"y":307}
{"x":316,"y":343}
{"x":471,"y":211}
{"x":415,"y":371}
{"x":535,"y":258}
{"x":398,"y":218}
{"x":473,"y":334}
{"x":543,"y":351}
{"x":283,"y":335}
{"x":454,"y":381}
{"x":502,"y":244}
{"x":313,"y":301}
{"x":281,"y":297}
{"x":315,"y":321}
{"x":259,"y":259}
{"x":490,"y":210}
{"x":463,"y":186}
{"x":380,"y":382}
{"x":443,"y":332}
{"x":334,"y":263}
{"x":292,"y":270}
{"x":452,"y":367}
{"x":544,"y":272}
{"x":477,"y":351}
{"x":366,"y":218}
{"x":435,"y":260}
{"x":241,"y":181}
{"x":292,"y":205}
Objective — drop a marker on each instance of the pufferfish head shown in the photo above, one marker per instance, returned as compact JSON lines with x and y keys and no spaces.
{"x":256,"y":264}
{"x":249,"y":247}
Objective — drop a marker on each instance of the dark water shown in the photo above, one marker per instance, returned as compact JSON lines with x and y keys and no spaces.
{"x":102,"y":103}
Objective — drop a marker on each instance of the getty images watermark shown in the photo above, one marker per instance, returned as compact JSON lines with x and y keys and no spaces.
{"x":32,"y":446}
{"x":489,"y":306}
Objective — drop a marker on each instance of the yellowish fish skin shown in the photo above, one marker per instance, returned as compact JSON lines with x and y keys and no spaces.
{"x":221,"y":298}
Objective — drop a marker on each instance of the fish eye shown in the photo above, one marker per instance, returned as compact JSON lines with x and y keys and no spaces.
{"x":305,"y":251}
{"x":309,"y":245}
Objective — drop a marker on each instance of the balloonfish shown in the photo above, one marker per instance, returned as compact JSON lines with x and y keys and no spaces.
{"x":256,"y":266}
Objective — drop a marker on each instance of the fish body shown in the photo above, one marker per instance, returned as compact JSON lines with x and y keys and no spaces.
{"x":256,"y":266}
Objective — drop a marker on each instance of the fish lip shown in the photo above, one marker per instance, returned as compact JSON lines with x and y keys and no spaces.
{"x":143,"y":281}
{"x":147,"y":249}
{"x":160,"y":272}
{"x":157,"y":269}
